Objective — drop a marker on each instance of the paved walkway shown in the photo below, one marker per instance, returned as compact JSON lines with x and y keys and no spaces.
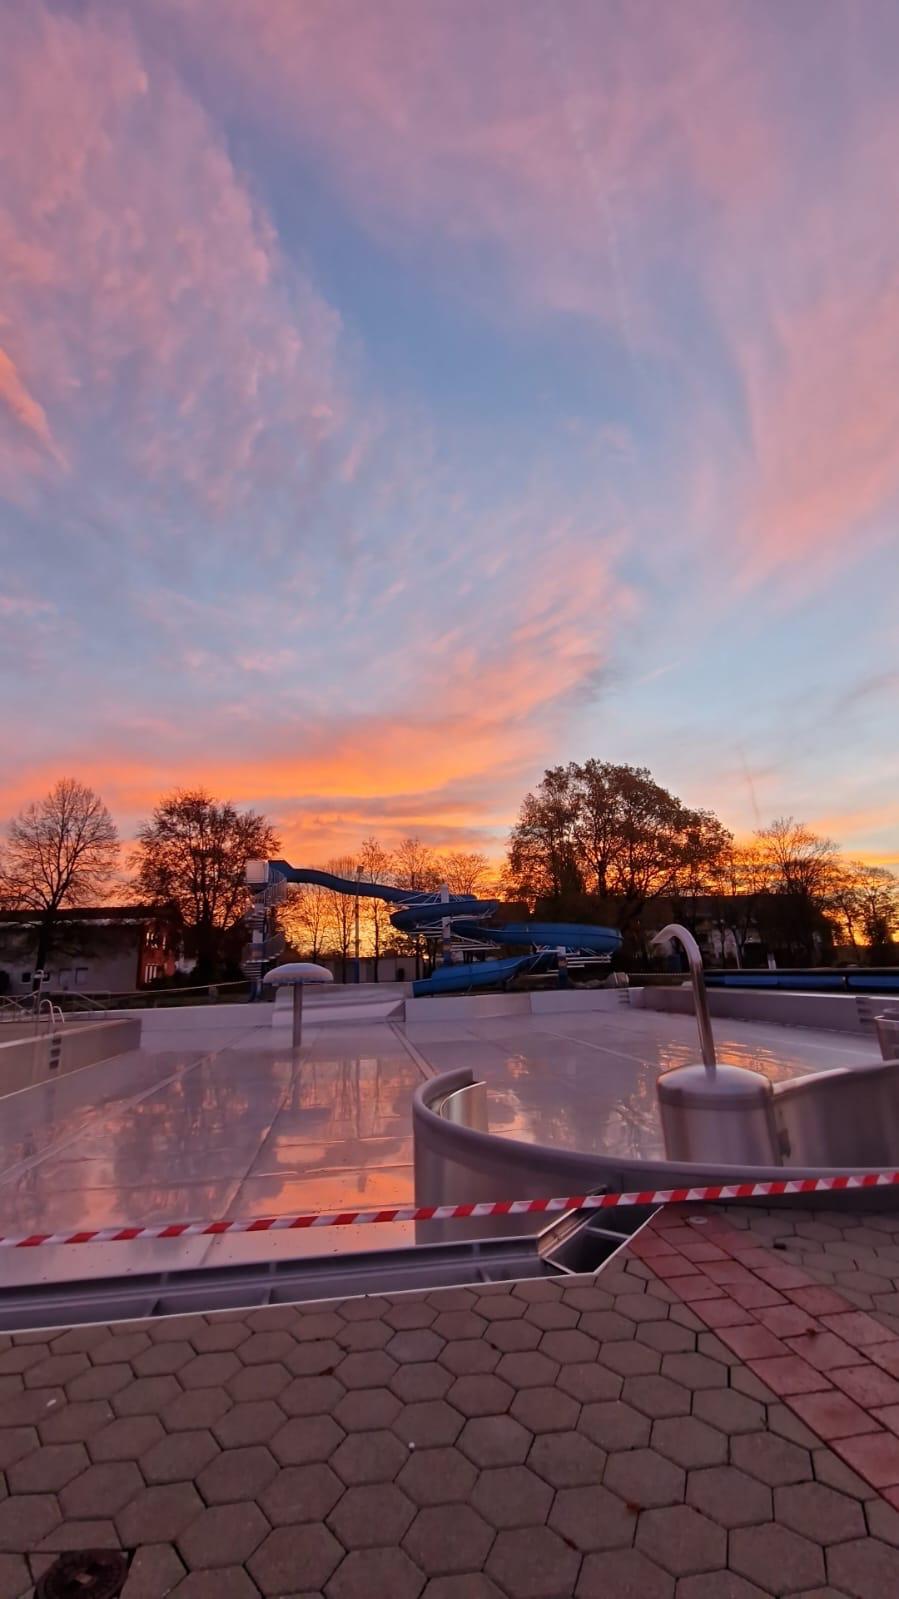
{"x":714,"y":1415}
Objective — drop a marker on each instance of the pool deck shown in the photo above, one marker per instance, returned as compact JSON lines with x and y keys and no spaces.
{"x":712,"y":1415}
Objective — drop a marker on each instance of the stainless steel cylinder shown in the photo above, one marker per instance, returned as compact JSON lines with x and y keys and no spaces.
{"x":723,"y":1116}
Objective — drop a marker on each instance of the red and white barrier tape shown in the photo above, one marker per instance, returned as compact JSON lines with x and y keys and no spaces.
{"x":712,"y":1193}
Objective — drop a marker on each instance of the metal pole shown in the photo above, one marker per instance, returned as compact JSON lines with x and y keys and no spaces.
{"x":446,"y":926}
{"x":297,"y":1015}
{"x":358,"y":879}
{"x":691,"y":949}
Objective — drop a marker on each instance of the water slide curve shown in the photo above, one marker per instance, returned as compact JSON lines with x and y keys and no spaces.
{"x":424,"y":911}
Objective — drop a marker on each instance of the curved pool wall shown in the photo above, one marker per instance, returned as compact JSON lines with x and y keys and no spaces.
{"x":456,"y":1164}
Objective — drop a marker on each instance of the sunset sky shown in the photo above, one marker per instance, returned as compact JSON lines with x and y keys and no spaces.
{"x":399,"y":396}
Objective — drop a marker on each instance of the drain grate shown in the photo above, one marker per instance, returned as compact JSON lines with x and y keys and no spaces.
{"x":84,"y":1574}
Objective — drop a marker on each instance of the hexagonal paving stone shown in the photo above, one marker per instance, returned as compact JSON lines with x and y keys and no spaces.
{"x":533,"y":1563}
{"x":643,"y":1478}
{"x":369,"y":1457}
{"x":162,"y":1358}
{"x":254,"y":1422}
{"x":666,"y":1336}
{"x":145,"y":1396}
{"x":592,"y":1518}
{"x":15,"y":1443}
{"x":689,"y":1441}
{"x":179,"y":1457}
{"x":359,"y":1335}
{"x":627,"y":1574}
{"x":200,"y":1408}
{"x":126,"y":1438}
{"x":773,"y":1460}
{"x":729,"y":1585}
{"x":527,"y":1368}
{"x":154,"y":1572}
{"x":300,"y":1493}
{"x":237,"y":1474}
{"x":614,"y":1425}
{"x":157,"y":1515}
{"x":480,"y":1395}
{"x":545,"y":1410}
{"x":372,"y":1515}
{"x":632,"y":1358}
{"x":266,"y":1348}
{"x":410,"y":1313}
{"x":47,"y":1470}
{"x":366,"y":1369}
{"x":448,"y":1538}
{"x":210,"y":1370}
{"x":459,"y":1324}
{"x":56,"y":1369}
{"x":314,"y":1359}
{"x":656,"y":1396}
{"x":216,"y":1336}
{"x":867,"y":1569}
{"x":295,"y":1558}
{"x":428,"y":1425}
{"x":306,"y":1438}
{"x":511,"y":1337}
{"x":120,"y":1346}
{"x":730,"y":1497}
{"x":25,"y":1521}
{"x":695,"y":1371}
{"x":495,"y":1441}
{"x":474,"y":1585}
{"x":606,"y":1326}
{"x":101,"y":1490}
{"x":681,"y":1540}
{"x":224,"y":1535}
{"x":415,"y":1344}
{"x":72,"y":1423}
{"x":314,"y":1325}
{"x":729,"y":1411}
{"x":819,"y":1512}
{"x":101,"y":1382}
{"x":589,"y":1382}
{"x":437,"y":1476}
{"x":259,"y":1382}
{"x":501,"y":1306}
{"x":778,"y":1560}
{"x":366,"y":1409}
{"x":551,"y":1313}
{"x":312,"y":1396}
{"x":512,"y":1496}
{"x":418,"y":1381}
{"x":566,"y":1459}
{"x":365,"y":1573}
{"x":470,"y":1355}
{"x":226,"y":1582}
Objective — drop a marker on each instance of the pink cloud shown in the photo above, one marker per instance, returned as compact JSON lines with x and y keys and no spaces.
{"x":145,"y":287}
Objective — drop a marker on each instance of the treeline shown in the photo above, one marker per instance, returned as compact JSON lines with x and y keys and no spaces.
{"x":595,"y":842}
{"x":603,"y":842}
{"x":63,"y":851}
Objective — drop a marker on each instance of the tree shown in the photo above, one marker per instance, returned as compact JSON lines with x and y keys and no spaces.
{"x":342,"y":910}
{"x":192,"y":855}
{"x":611,"y":829}
{"x":866,"y":900}
{"x":802,"y":869}
{"x":377,"y":866}
{"x":304,"y":918}
{"x":464,"y":872}
{"x":62,"y":852}
{"x":415,"y":865}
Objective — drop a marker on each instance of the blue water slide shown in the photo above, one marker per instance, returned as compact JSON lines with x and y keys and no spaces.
{"x":464,"y":979}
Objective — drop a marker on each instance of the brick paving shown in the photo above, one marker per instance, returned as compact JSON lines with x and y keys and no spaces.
{"x":713,"y":1415}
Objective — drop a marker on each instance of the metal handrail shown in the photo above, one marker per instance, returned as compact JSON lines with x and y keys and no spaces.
{"x":674,"y":932}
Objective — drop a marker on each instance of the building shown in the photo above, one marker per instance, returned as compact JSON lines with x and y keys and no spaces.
{"x":105,"y":949}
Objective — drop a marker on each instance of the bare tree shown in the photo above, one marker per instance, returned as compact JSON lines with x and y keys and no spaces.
{"x":342,"y":911}
{"x":377,"y":866}
{"x":192,"y":854}
{"x":62,"y":852}
{"x":464,"y":871}
{"x":305,"y":918}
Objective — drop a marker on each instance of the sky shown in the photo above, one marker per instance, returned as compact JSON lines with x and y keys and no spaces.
{"x":398,"y":399}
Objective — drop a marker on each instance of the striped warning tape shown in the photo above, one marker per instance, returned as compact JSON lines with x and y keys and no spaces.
{"x":479,"y":1211}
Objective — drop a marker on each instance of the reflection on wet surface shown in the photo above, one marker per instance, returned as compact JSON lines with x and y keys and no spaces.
{"x":233,"y":1125}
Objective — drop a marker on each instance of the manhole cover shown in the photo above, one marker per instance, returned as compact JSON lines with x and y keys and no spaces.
{"x":84,"y":1574}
